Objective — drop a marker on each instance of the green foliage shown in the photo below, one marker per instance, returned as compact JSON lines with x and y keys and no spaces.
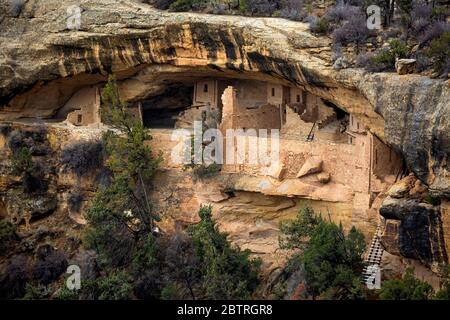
{"x":121,"y":217}
{"x":33,"y":293}
{"x":22,"y":162}
{"x":169,"y":292}
{"x":227,"y":272}
{"x":444,"y":292}
{"x":128,"y":153}
{"x":24,"y":166}
{"x":111,"y":231}
{"x":407,"y":288}
{"x":7,"y":235}
{"x":115,"y":286}
{"x":184,"y":5}
{"x":201,"y":170}
{"x":323,"y":26}
{"x":439,"y":52}
{"x":386,"y":57}
{"x":332,"y":261}
{"x":66,"y":294}
{"x":295,"y":233}
{"x":439,"y":12}
{"x":204,"y":171}
{"x":432,"y":200}
{"x":145,"y":256}
{"x":405,"y":5}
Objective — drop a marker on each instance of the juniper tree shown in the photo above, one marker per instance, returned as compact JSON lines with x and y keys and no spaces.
{"x":121,"y":216}
{"x":330,"y":259}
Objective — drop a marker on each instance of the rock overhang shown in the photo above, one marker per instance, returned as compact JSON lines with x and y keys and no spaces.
{"x":148,"y":48}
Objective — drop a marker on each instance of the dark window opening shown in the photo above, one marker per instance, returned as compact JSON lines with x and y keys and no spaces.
{"x":298,"y":98}
{"x":79,"y":118}
{"x":376,"y":156}
{"x":357,"y":125}
{"x":205,"y":88}
{"x":340,"y":114}
{"x":230,"y":193}
{"x":273,"y":92}
{"x":163,"y":110}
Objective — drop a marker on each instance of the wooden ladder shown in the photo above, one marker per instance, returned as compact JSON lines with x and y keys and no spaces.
{"x":373,"y":259}
{"x":310,"y":136}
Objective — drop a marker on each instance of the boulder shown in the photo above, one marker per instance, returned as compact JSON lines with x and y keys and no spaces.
{"x":413,"y":230}
{"x":312,"y":165}
{"x":405,"y":66}
{"x":324,"y":177}
{"x":340,"y":63}
{"x":276,"y":171}
{"x":402,"y":187}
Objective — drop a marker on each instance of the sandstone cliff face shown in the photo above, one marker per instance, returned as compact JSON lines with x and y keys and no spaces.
{"x":416,"y":224}
{"x":42,"y":63}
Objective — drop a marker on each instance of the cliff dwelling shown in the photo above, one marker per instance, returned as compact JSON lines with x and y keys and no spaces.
{"x":326,"y":154}
{"x":357,"y":136}
{"x":83,"y":108}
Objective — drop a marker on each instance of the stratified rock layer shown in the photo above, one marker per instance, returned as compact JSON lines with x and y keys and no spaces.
{"x":42,"y":63}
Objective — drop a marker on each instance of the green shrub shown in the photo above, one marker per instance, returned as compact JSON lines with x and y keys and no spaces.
{"x":444,"y":291}
{"x":296,"y":232}
{"x":7,"y":235}
{"x":330,"y":260}
{"x":204,"y":171}
{"x":24,"y":166}
{"x":66,"y":294}
{"x":227,"y":272}
{"x":22,"y":162}
{"x":439,"y":52}
{"x":115,"y":286}
{"x":385,"y":58}
{"x":432,"y":200}
{"x":439,"y":12}
{"x":323,"y":26}
{"x":407,"y":288}
{"x":169,"y":292}
{"x":34,"y":293}
{"x":185,"y":5}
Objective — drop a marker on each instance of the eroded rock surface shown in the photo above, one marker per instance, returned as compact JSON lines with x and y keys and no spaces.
{"x":416,"y":225}
{"x":42,"y":63}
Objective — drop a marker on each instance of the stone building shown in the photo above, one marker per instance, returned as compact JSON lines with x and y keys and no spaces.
{"x":83,"y":107}
{"x":325,"y":153}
